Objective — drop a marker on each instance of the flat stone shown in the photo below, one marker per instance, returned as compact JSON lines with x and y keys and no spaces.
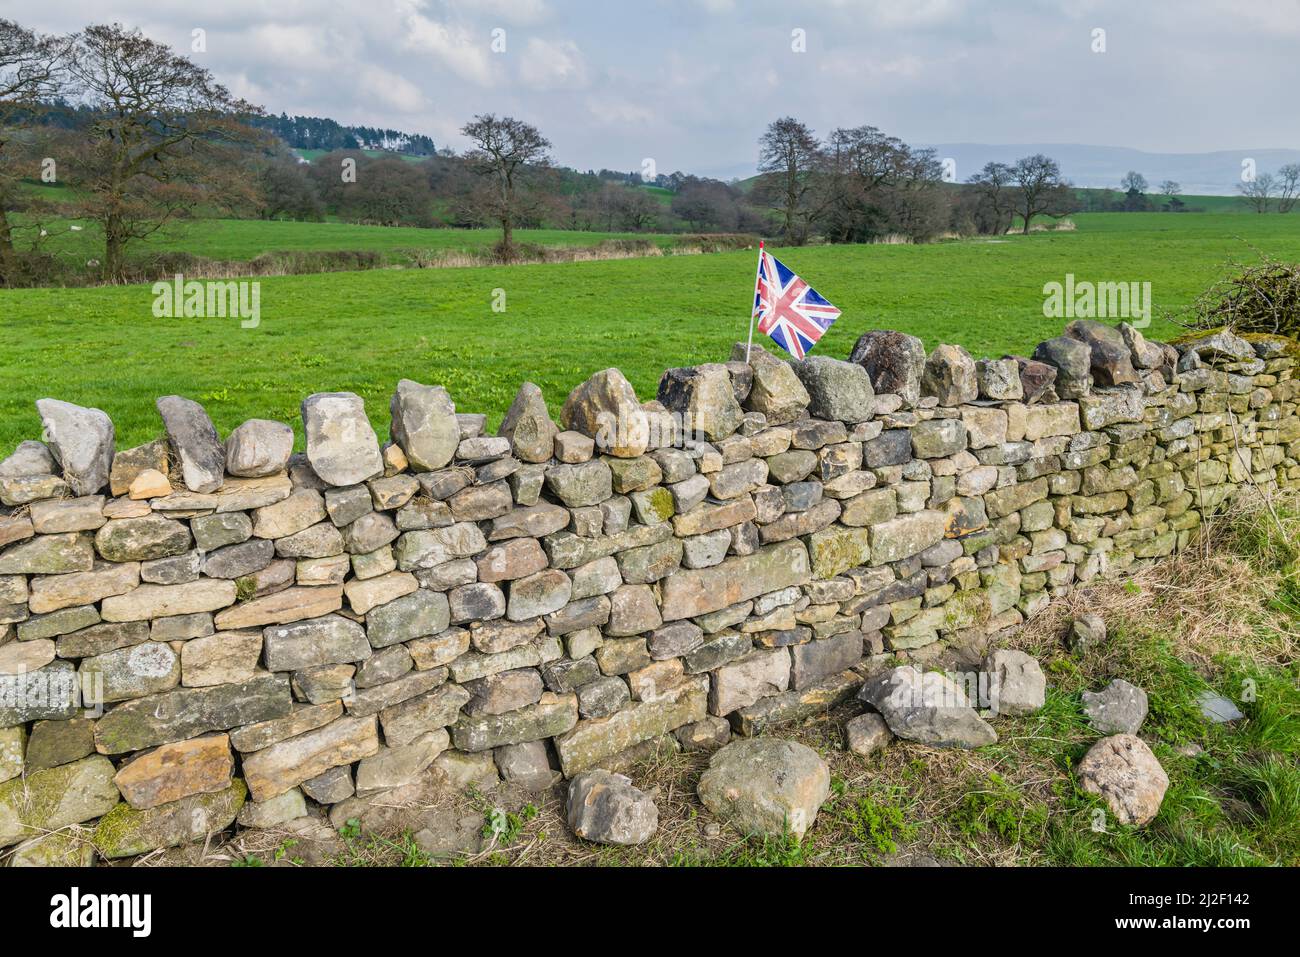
{"x":53,"y":743}
{"x":592,"y":741}
{"x":142,"y":539}
{"x":52,"y":592}
{"x":57,"y":623}
{"x":53,"y":516}
{"x":282,"y":607}
{"x":98,"y":639}
{"x":177,"y":770}
{"x":407,"y":720}
{"x":331,"y":639}
{"x":132,"y":672}
{"x":374,"y":700}
{"x":552,"y":715}
{"x":393,"y":767}
{"x":287,"y":764}
{"x":1119,"y":708}
{"x":159,"y":601}
{"x":186,"y":712}
{"x":303,"y":718}
{"x":428,"y":548}
{"x":48,"y":555}
{"x":1217,"y":709}
{"x":236,"y":561}
{"x":689,"y":593}
{"x":49,"y":693}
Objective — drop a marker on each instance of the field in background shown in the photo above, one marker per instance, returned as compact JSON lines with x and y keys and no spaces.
{"x":362,"y":331}
{"x":245,"y":239}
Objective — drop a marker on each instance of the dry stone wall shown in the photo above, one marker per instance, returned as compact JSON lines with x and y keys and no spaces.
{"x":196,"y":631}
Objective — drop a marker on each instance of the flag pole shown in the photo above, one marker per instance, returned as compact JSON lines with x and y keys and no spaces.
{"x":749,"y":346}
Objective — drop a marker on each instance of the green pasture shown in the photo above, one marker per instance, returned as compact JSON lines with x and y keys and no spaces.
{"x":362,"y":331}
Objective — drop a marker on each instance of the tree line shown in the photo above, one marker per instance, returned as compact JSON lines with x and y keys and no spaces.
{"x":860,"y":184}
{"x":130,"y":135}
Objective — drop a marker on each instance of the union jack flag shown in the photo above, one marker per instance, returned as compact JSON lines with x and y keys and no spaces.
{"x":788,"y":309}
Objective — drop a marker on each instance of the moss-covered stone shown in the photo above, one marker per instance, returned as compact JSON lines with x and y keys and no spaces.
{"x":125,"y":832}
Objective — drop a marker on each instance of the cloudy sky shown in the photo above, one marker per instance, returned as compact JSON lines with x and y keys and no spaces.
{"x":691,"y":83}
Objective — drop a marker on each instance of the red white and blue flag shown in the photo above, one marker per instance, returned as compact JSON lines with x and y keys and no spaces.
{"x":788,"y":309}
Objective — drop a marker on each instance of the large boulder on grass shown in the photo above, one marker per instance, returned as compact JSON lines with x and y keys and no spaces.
{"x":926,"y":707}
{"x":607,"y":808}
{"x":1122,"y":770}
{"x":766,"y":786}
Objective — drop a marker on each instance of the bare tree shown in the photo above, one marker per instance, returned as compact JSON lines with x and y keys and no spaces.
{"x":789,"y":157}
{"x":1288,"y":186}
{"x":1170,"y":190}
{"x":29,"y":74}
{"x":1133,"y":182}
{"x":1042,"y":190}
{"x":505,"y":150}
{"x":995,"y":185}
{"x":1258,"y":192}
{"x":157,"y":117}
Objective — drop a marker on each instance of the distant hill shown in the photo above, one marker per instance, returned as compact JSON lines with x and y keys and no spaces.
{"x":1102,"y":167}
{"x":324,"y":134}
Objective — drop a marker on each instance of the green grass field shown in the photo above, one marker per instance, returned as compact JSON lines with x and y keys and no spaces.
{"x":362,"y":331}
{"x":245,"y":239}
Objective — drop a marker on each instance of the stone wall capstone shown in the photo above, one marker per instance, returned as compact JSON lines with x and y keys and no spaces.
{"x":196,"y":630}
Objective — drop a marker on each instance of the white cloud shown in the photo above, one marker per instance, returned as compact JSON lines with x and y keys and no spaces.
{"x":552,"y":65}
{"x":465,"y":53}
